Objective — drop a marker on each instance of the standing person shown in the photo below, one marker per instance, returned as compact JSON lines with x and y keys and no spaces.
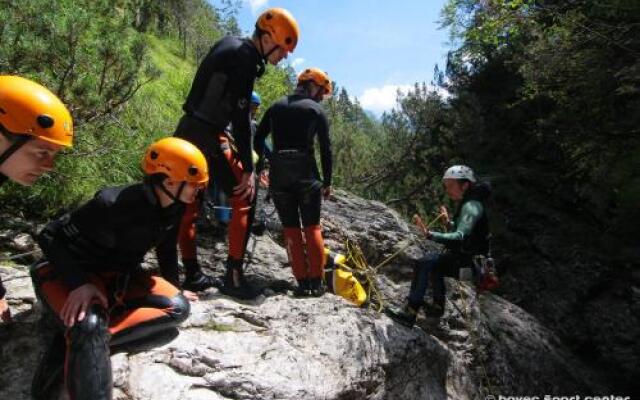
{"x":218,"y":197}
{"x":91,"y":279}
{"x":34,"y":127}
{"x":220,"y":94}
{"x":297,"y":190}
{"x":469,"y":237}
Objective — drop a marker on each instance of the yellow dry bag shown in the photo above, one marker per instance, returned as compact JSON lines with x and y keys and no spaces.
{"x":340,"y":279}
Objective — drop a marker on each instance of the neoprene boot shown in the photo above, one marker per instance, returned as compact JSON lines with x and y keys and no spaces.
{"x":241,"y":289}
{"x":302,"y":290}
{"x":195,"y":280}
{"x":406,"y":315}
{"x":316,"y":287}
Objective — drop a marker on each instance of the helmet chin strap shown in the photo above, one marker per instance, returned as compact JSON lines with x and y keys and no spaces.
{"x":176,"y":198}
{"x":16,"y":144}
{"x":173,"y":197}
{"x":265,"y":57}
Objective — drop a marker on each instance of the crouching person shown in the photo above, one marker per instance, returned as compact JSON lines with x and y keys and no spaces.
{"x":91,"y":277}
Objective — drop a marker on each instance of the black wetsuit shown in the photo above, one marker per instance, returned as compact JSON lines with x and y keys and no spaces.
{"x":113,"y":232}
{"x":103,"y":243}
{"x":220,"y":94}
{"x":295,"y":121}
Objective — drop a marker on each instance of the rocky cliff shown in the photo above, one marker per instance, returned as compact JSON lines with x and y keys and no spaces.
{"x":280,"y":347}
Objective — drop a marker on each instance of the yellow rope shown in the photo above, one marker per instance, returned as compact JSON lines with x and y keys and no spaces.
{"x":417,"y":219}
{"x":358,"y":265}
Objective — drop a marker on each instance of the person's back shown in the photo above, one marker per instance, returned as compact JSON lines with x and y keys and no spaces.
{"x":295,"y":123}
{"x":223,"y":78}
{"x":295,"y":183}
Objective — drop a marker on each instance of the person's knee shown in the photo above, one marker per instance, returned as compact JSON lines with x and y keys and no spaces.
{"x":95,"y":323}
{"x":423,"y":264}
{"x":310,"y":219}
{"x":180,"y":308}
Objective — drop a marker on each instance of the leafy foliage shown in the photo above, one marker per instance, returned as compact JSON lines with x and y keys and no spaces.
{"x":124,"y":70}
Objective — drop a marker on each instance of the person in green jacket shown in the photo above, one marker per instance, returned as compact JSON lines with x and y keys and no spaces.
{"x":468,"y":237}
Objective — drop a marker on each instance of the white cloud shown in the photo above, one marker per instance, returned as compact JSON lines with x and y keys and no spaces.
{"x":297,"y":62}
{"x":255,"y":5}
{"x":381,"y":99}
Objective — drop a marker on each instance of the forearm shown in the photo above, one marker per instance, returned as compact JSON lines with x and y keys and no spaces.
{"x":167,"y":255}
{"x":444,"y":237}
{"x":469,"y":215}
{"x":325,"y":151}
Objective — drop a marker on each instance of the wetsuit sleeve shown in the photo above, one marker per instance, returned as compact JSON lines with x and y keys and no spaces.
{"x":167,"y":254}
{"x":325,"y":149}
{"x":469,"y":215}
{"x":241,"y":86}
{"x":264,"y":128}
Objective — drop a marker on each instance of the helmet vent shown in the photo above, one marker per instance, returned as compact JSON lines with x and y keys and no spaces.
{"x":153,"y":155}
{"x":193,"y":170}
{"x":45,"y":121}
{"x":2,"y":111}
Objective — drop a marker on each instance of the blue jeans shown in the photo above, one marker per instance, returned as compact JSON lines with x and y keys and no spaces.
{"x":421,"y":271}
{"x":436,"y":267}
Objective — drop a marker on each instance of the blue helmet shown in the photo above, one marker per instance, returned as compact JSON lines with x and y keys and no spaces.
{"x":255,"y":98}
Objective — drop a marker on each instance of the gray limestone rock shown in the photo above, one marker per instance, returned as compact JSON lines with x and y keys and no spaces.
{"x":280,"y":347}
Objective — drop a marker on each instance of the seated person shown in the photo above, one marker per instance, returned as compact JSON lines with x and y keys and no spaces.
{"x":469,"y":237}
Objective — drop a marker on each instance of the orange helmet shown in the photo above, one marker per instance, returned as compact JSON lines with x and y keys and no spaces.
{"x":178,"y":159}
{"x":27,"y":108}
{"x":280,"y":24}
{"x":318,"y":77}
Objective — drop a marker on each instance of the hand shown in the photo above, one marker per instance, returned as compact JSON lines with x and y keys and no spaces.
{"x":245,"y":189}
{"x":428,"y":234}
{"x":79,"y":300}
{"x":444,"y":213}
{"x":326,"y":192}
{"x":5,"y":311}
{"x":191,"y":296}
{"x":418,"y":221}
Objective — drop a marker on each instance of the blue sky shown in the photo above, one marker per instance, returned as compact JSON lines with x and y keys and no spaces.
{"x":371,"y":47}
